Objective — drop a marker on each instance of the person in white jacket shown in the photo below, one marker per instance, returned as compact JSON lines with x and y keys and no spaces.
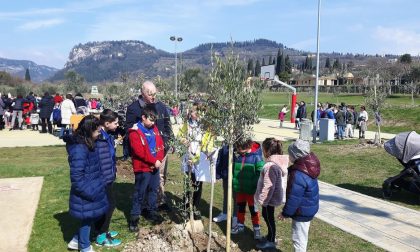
{"x":67,"y":110}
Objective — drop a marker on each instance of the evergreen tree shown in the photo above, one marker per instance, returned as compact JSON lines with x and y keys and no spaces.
{"x":263,"y":62}
{"x":279,"y":66}
{"x":406,"y":59}
{"x":250,"y":68}
{"x":282,"y":64}
{"x":288,"y":65}
{"x":27,"y":75}
{"x":328,"y":63}
{"x":257,"y":71}
{"x":336,"y":64}
{"x":308,"y":63}
{"x":270,"y":60}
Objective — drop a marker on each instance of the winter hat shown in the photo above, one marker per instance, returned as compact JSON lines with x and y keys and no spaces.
{"x":299,"y":148}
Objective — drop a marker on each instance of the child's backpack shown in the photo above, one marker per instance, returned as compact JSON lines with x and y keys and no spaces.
{"x":56,"y":115}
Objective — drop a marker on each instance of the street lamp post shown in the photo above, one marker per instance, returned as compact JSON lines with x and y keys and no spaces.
{"x":315,"y":128}
{"x":176,"y":39}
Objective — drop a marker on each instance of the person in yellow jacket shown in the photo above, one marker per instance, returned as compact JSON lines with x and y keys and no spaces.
{"x":198,"y":142}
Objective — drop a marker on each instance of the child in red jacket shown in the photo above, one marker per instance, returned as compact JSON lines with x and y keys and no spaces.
{"x":147,"y":153}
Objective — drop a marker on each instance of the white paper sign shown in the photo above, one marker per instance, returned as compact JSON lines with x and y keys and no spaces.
{"x":206,"y":168}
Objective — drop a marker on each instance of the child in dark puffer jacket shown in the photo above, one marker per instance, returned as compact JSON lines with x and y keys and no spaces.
{"x":302,"y":194}
{"x":88,"y":200}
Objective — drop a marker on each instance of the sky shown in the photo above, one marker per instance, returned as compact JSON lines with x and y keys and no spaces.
{"x":45,"y":31}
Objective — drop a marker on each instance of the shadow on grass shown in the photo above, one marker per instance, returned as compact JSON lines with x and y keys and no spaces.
{"x":69,"y":225}
{"x":398,"y":196}
{"x":284,"y":127}
{"x":123,"y":192}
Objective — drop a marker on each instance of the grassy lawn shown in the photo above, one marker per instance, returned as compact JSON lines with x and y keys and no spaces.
{"x":398,"y":115}
{"x":53,"y":227}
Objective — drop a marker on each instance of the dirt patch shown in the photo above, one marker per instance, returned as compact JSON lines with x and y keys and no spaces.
{"x":125,"y":170}
{"x":174,"y":237}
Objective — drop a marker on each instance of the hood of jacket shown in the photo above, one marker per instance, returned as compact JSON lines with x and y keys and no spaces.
{"x":280,"y":160}
{"x":308,"y":164}
{"x":72,"y":139}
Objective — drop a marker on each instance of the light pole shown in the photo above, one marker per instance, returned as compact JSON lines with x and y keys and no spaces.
{"x":317,"y":74}
{"x":176,"y":39}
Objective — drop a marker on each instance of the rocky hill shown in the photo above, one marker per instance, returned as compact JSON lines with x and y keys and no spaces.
{"x":18,"y":68}
{"x":108,"y":60}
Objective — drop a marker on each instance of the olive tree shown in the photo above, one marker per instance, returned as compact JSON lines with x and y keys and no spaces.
{"x":232,"y":110}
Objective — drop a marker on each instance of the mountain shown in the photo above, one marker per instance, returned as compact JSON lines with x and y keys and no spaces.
{"x":18,"y":68}
{"x":108,"y":60}
{"x":100,"y":61}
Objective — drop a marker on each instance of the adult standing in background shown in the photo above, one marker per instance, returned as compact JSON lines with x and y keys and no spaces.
{"x":2,"y":108}
{"x":363,"y":118}
{"x":17,"y":105}
{"x":46,"y":106}
{"x":67,"y":110}
{"x":163,"y":123}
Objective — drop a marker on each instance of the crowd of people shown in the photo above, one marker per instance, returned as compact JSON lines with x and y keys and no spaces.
{"x":51,"y":112}
{"x":262,"y":177}
{"x":346,"y":118}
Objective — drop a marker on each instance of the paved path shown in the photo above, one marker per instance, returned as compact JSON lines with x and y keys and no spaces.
{"x":268,"y":128}
{"x":387,"y":225}
{"x":23,"y":138}
{"x":18,"y":203}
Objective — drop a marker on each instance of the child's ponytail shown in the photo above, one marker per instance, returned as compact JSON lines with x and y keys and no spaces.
{"x":273,"y":146}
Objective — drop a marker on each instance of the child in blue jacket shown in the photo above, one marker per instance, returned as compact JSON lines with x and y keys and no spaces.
{"x":88,"y":199}
{"x":302,"y":193}
{"x":105,"y":147}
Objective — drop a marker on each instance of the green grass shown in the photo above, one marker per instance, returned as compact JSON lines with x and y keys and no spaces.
{"x":53,"y":227}
{"x":398,"y":115}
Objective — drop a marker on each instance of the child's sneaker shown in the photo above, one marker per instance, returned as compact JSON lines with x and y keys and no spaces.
{"x":73,"y":244}
{"x":88,"y":249}
{"x":106,"y":240}
{"x":266,"y":245}
{"x":221,"y":217}
{"x":257,"y":233}
{"x":240,"y":228}
{"x":113,"y":233}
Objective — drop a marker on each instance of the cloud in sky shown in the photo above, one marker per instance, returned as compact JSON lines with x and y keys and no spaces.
{"x":126,"y":26}
{"x":41,"y":24}
{"x":397,"y":40}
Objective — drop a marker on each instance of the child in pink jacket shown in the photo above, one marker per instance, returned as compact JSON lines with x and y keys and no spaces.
{"x":271,"y":187}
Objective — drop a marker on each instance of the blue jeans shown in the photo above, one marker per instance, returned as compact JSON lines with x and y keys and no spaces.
{"x":64,"y":130}
{"x":84,"y":233}
{"x":146,"y":184}
{"x":341,"y":130}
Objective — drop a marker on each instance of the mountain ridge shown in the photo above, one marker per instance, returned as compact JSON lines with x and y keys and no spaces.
{"x":18,"y":68}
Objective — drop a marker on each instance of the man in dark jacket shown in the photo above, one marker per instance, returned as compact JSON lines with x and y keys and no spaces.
{"x":46,"y":106}
{"x":302,"y":193}
{"x":163,"y":123}
{"x":340,"y":120}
